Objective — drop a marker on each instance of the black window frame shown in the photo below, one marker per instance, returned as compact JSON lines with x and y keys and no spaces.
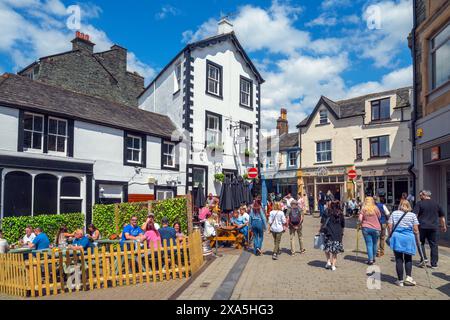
{"x":377,"y":104}
{"x":250,"y":81}
{"x":175,"y":156}
{"x":433,"y":49}
{"x":124,"y":185}
{"x":220,"y":68}
{"x":70,"y":134}
{"x":373,"y":140}
{"x":143,"y":162}
{"x":359,"y":149}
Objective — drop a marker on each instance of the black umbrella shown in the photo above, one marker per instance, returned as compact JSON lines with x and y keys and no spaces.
{"x":237,"y":192}
{"x":226,"y":196}
{"x":200,"y":199}
{"x":241,"y":191}
{"x":248,"y":197}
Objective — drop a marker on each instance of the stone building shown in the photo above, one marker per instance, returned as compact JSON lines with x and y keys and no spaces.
{"x":430,"y":46}
{"x":101,"y":74}
{"x":369,"y":134}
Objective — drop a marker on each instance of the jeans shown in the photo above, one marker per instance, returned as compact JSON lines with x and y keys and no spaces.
{"x":321,"y":209}
{"x":276,"y":241}
{"x":400,"y":259}
{"x":258,"y":234}
{"x":244,"y":231}
{"x":371,"y":238}
{"x":311,"y":210}
{"x":432,"y":236}
{"x":292,"y":233}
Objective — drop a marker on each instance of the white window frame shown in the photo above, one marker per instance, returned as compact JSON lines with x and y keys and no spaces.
{"x":164,"y":192}
{"x":57,"y":135}
{"x":246,"y":132}
{"x":215,"y":132}
{"x":434,"y":47}
{"x":213,"y":80}
{"x":41,"y":150}
{"x":324,"y":151}
{"x":321,"y":118}
{"x":134,"y":149}
{"x":245,"y":84}
{"x":165,"y":143}
{"x":295,"y":159}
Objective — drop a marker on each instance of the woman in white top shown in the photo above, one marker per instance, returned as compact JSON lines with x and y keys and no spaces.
{"x":210,"y":224}
{"x":277,"y":221}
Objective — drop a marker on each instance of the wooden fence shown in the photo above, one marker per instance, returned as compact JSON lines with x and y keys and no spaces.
{"x":55,"y":272}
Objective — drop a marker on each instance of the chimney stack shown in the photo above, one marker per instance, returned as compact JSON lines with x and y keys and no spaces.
{"x":282,"y":123}
{"x":225,"y":26}
{"x":82,"y":42}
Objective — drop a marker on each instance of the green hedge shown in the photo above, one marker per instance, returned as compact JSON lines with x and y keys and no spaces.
{"x":14,"y":227}
{"x":104,"y":217}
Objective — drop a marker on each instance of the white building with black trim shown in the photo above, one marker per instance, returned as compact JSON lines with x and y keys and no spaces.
{"x":212,"y":91}
{"x":62,"y":151}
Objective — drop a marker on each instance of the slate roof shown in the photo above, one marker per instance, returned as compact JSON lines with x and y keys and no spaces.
{"x":286,"y":141}
{"x":207,"y":42}
{"x":356,"y":106}
{"x":21,"y":92}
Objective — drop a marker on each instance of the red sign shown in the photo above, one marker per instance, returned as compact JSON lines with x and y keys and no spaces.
{"x":253,"y":173}
{"x":352,"y":174}
{"x":435,"y":153}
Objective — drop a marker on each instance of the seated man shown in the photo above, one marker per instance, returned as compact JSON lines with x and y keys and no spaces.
{"x":132,"y":232}
{"x":81,"y":242}
{"x":167,"y":233}
{"x":28,"y":237}
{"x":41,"y":241}
{"x":150,"y":219}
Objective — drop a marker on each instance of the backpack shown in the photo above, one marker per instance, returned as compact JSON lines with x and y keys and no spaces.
{"x":294,"y":217}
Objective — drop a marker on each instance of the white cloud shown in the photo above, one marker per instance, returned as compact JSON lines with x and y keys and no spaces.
{"x":323,"y":20}
{"x":327,"y":4}
{"x":32,"y":29}
{"x":207,"y":29}
{"x":166,"y":11}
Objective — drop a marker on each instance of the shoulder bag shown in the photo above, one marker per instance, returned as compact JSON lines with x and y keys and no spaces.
{"x":388,"y":239}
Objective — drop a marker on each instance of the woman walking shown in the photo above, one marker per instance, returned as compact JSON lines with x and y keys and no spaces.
{"x":369,"y":219}
{"x":332,"y":226}
{"x":277,"y":221}
{"x":258,"y":225}
{"x":404,"y":230}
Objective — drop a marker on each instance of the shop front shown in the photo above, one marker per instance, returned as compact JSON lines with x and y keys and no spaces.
{"x":282,"y":182}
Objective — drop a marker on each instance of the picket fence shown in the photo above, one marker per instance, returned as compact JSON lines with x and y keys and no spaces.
{"x":56,"y":272}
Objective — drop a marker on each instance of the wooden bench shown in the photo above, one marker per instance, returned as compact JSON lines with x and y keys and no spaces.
{"x":228,"y":234}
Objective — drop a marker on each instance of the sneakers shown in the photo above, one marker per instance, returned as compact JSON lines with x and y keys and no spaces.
{"x":399,"y":283}
{"x":422,"y":263}
{"x":433,"y":267}
{"x":328,"y":266}
{"x":333,"y":268}
{"x":292,"y":254}
{"x":409,"y":281}
{"x":274,"y":257}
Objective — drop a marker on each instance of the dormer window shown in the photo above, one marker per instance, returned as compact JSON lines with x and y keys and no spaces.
{"x":381,"y":109}
{"x":323,"y":117}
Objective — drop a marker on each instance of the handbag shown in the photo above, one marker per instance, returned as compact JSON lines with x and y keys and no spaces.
{"x":388,"y":239}
{"x":319,"y":239}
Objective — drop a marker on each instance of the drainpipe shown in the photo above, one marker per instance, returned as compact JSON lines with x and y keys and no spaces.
{"x":414,"y":115}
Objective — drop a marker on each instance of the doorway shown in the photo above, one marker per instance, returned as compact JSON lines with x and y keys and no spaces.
{"x":399,"y":188}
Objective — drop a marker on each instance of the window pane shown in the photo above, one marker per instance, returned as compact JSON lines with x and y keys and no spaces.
{"x":17,"y":194}
{"x":37,"y":140}
{"x":129,"y":142}
{"x":70,"y":187}
{"x":27,"y":139}
{"x":61,"y":144}
{"x":442,"y":65}
{"x":374,"y":148}
{"x":52,"y":125}
{"x":129,"y":155}
{"x":136,"y":156}
{"x":62,"y":128}
{"x":385,"y":109}
{"x":45,"y":194}
{"x":384,"y":146}
{"x":375,"y":112}
{"x":137,"y":143}
{"x":52,"y":143}
{"x":441,"y":37}
{"x":28,"y":121}
{"x":37,"y":123}
{"x":70,"y":206}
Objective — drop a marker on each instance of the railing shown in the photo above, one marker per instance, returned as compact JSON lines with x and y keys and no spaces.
{"x":58,"y":272}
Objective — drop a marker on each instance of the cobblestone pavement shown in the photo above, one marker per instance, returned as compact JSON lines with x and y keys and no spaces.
{"x":304,"y":276}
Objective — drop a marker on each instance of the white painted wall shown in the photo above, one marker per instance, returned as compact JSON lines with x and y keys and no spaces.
{"x":9,"y":122}
{"x":343,"y":133}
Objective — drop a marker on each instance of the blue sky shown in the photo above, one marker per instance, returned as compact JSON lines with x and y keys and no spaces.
{"x":304,"y":49}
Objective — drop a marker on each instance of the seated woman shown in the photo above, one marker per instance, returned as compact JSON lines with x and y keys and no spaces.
{"x":210,"y":224}
{"x":243,"y":221}
{"x":93,"y":234}
{"x":152,"y":236}
{"x":180,"y":234}
{"x":62,"y":236}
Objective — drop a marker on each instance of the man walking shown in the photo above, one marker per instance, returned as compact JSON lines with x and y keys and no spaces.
{"x":295,"y":215}
{"x":311,"y":203}
{"x":321,"y":200}
{"x":383,"y":222}
{"x":431,"y":217}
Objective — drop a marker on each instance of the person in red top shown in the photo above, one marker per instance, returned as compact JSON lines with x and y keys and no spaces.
{"x":369,"y":219}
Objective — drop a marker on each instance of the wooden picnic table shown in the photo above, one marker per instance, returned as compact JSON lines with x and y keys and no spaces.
{"x":227,"y":233}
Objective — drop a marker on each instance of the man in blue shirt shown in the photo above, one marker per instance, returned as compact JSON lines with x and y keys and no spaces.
{"x":132,"y":232}
{"x":81,"y":242}
{"x":167,"y":232}
{"x":41,"y":241}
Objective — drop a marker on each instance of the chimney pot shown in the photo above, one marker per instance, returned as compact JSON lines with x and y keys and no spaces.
{"x":282,"y":122}
{"x":82,"y":42}
{"x":225,"y":26}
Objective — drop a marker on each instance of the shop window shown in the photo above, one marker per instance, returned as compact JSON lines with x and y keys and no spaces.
{"x":17,"y":194}
{"x":45,"y":194}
